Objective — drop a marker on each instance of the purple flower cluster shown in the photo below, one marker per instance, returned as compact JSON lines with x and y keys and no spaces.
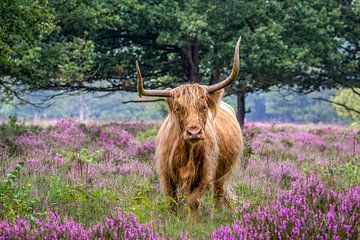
{"x":64,"y":134}
{"x":302,"y":137}
{"x":131,"y":168}
{"x":308,"y":211}
{"x":282,"y":151}
{"x":133,"y":127}
{"x":144,"y":150}
{"x":284,"y":171}
{"x":112,"y":150}
{"x":118,"y":226}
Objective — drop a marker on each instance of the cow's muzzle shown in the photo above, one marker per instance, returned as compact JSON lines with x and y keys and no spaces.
{"x":194,"y":134}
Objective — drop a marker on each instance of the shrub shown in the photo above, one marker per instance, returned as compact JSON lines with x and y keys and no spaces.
{"x":15,"y":200}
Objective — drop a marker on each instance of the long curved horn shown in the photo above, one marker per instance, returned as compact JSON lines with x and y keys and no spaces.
{"x":143,"y":92}
{"x":233,"y":74}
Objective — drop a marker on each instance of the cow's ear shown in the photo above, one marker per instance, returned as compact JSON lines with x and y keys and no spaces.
{"x":214,"y":99}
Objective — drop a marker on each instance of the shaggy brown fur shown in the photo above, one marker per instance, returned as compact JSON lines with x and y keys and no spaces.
{"x":198,"y":146}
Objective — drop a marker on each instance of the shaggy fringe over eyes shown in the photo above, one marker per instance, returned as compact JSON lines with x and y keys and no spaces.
{"x":191,"y":93}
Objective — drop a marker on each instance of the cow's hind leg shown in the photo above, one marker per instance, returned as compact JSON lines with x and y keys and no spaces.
{"x":219,"y":195}
{"x":222,"y":196}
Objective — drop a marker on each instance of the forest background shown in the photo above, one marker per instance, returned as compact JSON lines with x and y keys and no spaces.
{"x":58,"y":49}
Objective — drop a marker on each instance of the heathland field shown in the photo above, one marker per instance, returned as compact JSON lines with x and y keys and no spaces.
{"x":71,"y":180}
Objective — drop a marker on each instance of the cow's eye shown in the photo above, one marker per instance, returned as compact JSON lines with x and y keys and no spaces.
{"x":203,"y":109}
{"x":177,"y":109}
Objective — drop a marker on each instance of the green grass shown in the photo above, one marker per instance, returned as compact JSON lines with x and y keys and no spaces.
{"x":130,"y":193}
{"x":146,"y":135}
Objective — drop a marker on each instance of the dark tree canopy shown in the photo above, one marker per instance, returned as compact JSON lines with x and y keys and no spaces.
{"x":92,"y":45}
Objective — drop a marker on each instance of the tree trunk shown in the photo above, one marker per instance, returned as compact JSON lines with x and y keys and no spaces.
{"x":215,"y":76}
{"x":215,"y":73}
{"x":240,"y":108}
{"x":191,"y":61}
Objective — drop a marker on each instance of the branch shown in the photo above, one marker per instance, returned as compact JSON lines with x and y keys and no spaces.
{"x":355,"y":91}
{"x":350,"y":109}
{"x":17,"y":95}
{"x":347,"y":86}
{"x":144,"y":101}
{"x":104,"y":95}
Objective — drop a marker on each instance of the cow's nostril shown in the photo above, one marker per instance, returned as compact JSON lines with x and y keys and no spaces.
{"x":194,"y":132}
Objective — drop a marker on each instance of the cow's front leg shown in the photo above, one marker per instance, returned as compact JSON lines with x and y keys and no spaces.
{"x":194,"y":198}
{"x":169,"y":189}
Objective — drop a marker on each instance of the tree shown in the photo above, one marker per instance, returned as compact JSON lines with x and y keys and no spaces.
{"x":30,"y":55}
{"x":297,"y":44}
{"x":346,"y":103}
{"x":309,"y":45}
{"x":23,"y":24}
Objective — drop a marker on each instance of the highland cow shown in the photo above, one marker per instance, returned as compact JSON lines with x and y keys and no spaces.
{"x":200,"y":142}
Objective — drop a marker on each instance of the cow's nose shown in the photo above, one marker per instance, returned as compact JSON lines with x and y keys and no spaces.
{"x":194,"y":133}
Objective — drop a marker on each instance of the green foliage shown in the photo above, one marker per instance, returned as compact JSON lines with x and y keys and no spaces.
{"x":12,"y":126}
{"x":15,"y":199}
{"x":22,"y":25}
{"x":147,"y":135}
{"x":349,"y":171}
{"x":246,"y":193}
{"x":86,"y":157}
{"x":356,"y":6}
{"x":15,"y":127}
{"x":146,"y":203}
{"x":357,"y":136}
{"x":351,"y":99}
{"x":30,"y":55}
{"x":66,"y":61}
{"x":341,"y":176}
{"x":78,"y":201}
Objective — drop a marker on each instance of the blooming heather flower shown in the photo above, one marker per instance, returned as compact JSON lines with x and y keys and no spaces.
{"x":308,"y":211}
{"x":118,"y":226}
